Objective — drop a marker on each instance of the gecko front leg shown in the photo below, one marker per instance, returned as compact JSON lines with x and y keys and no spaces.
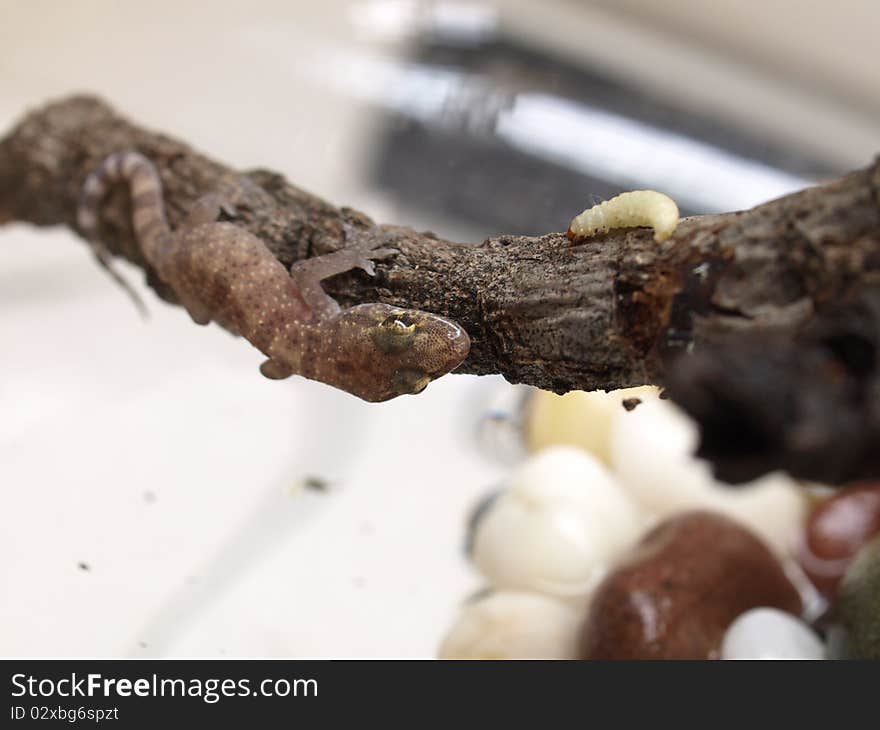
{"x":309,"y":273}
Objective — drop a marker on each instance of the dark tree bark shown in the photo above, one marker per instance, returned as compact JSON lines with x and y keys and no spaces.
{"x":612,"y":312}
{"x":809,"y":405}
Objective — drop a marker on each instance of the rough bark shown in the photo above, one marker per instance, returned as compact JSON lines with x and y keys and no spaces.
{"x":612,"y":312}
{"x":809,"y":404}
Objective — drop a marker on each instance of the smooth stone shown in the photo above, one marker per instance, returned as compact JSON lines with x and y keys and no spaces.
{"x":554,"y":530}
{"x":675,"y":595}
{"x":836,"y":529}
{"x":578,"y":418}
{"x":857,"y":611}
{"x":513,"y":625}
{"x":652,"y":455}
{"x":767,"y":633}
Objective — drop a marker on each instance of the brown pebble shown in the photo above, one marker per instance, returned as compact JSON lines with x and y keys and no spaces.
{"x":836,"y":530}
{"x":679,"y":590}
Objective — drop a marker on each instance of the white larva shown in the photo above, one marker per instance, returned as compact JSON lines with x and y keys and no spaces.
{"x":628,"y":210}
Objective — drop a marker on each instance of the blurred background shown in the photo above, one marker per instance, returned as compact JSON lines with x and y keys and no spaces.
{"x":157,"y":496}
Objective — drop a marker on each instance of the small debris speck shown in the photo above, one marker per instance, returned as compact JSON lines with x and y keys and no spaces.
{"x":149,"y":497}
{"x":631,"y":403}
{"x":83,"y":567}
{"x":316,"y":484}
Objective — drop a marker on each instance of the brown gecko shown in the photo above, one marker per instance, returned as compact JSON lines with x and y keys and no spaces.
{"x":221,"y":272}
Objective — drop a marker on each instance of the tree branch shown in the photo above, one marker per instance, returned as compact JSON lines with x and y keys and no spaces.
{"x":809,"y":404}
{"x":611,"y":312}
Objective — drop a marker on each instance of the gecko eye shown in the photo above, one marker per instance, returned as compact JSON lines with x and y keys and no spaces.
{"x":399,"y":323}
{"x":395,"y":333}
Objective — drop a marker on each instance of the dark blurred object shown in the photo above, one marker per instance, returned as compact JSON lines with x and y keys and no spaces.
{"x":810,"y":406}
{"x":507,"y":137}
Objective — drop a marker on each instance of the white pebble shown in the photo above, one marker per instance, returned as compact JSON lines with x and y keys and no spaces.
{"x":652,"y":456}
{"x":562,"y":520}
{"x":511,"y":625}
{"x":578,"y":418}
{"x":767,"y":633}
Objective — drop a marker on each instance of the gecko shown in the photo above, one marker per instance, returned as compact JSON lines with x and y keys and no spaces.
{"x":627,"y":210}
{"x":221,"y":272}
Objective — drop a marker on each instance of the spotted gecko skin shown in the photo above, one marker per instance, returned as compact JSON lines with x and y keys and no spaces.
{"x":221,"y":272}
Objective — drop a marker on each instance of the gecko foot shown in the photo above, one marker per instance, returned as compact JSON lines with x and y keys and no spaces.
{"x":199,"y":313}
{"x":361,"y":250}
{"x":309,"y":273}
{"x":366,"y":262}
{"x":275,"y":370}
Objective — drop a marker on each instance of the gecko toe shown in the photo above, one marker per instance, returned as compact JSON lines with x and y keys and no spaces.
{"x":383,"y":253}
{"x":374,"y":254}
{"x":229,"y":210}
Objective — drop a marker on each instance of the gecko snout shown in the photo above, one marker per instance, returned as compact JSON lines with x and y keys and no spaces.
{"x":400,"y":351}
{"x":421,"y":342}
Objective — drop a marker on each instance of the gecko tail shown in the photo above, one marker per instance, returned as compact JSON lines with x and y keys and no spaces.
{"x":147,"y":210}
{"x":106,"y":263}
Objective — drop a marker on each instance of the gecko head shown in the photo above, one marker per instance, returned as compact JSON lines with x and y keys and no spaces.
{"x":389,"y":351}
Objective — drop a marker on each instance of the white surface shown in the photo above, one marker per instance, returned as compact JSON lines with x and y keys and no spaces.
{"x":154,"y":452}
{"x":157,"y":455}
